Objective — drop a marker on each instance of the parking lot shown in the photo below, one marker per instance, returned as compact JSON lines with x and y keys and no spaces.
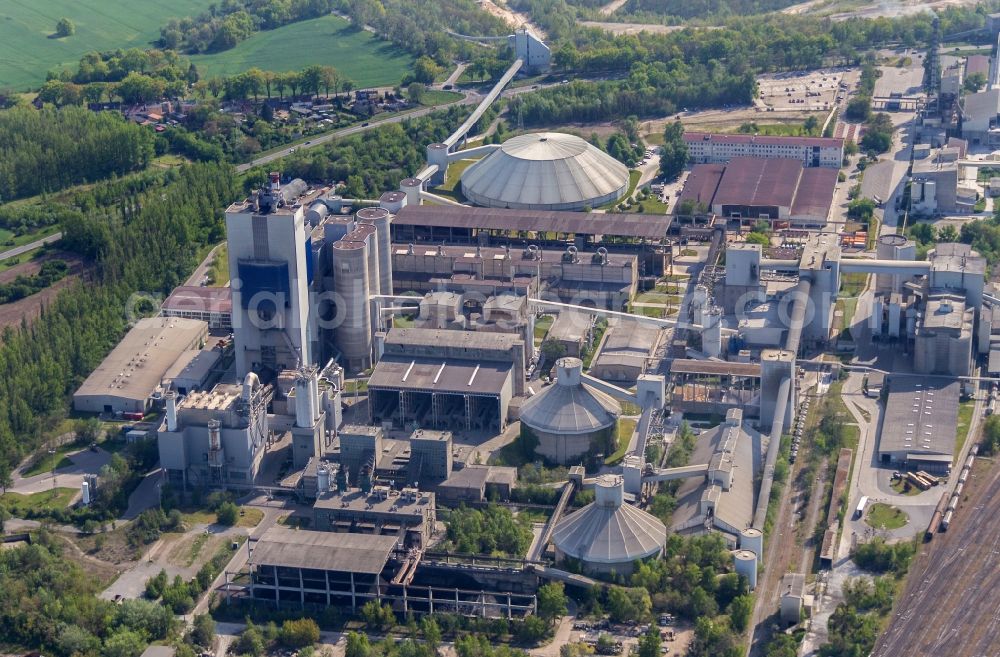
{"x":609,"y":638}
{"x":804,"y":90}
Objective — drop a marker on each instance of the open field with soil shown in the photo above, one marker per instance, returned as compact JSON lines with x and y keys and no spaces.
{"x":28,"y":308}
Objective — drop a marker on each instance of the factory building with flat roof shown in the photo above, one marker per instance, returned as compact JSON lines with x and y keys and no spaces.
{"x":750,"y":189}
{"x":708,"y":148}
{"x":918,"y":426}
{"x":127,"y":377}
{"x":459,"y":380}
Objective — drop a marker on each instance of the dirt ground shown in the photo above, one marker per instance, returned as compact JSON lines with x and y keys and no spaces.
{"x":632,"y":28}
{"x":29,"y":308}
{"x":514,"y":18}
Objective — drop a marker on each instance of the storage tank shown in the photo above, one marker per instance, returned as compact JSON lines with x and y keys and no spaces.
{"x":412,"y":188}
{"x":875,"y":320}
{"x":380,"y":218}
{"x":214,"y":435}
{"x":753,"y":540}
{"x":392,"y":201}
{"x":699,"y":303}
{"x":316,"y":213}
{"x":353,"y":332}
{"x":322,"y":480}
{"x":305,"y":401}
{"x":85,"y":494}
{"x":745,"y":562}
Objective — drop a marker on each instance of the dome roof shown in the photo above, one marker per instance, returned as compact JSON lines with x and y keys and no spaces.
{"x":545,"y":170}
{"x":608,"y":531}
{"x":570,"y":406}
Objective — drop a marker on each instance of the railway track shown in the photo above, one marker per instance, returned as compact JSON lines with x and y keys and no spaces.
{"x":950,"y":605}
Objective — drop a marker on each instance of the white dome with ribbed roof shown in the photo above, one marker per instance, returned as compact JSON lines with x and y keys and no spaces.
{"x":545,"y":171}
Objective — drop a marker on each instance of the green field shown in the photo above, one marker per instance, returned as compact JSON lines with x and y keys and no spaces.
{"x":27,"y":52}
{"x":359,"y":55}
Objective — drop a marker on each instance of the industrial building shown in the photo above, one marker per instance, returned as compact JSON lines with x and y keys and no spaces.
{"x":571,"y":331}
{"x":571,"y":418}
{"x":980,"y":112}
{"x":604,"y":279}
{"x":608,"y":534}
{"x":792,"y":596}
{"x":459,"y":380}
{"x":625,"y":352}
{"x":215,"y":438}
{"x":709,"y":148}
{"x":271,"y":269}
{"x":213,"y":305}
{"x":752,"y":189}
{"x":918,"y":425}
{"x":407,"y":515}
{"x":127,"y":378}
{"x":545,"y":171}
{"x":724,"y":498}
{"x":935,"y":187}
{"x":943,"y":341}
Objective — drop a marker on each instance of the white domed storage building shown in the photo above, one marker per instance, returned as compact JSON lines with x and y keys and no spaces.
{"x":545,"y":171}
{"x":608,"y":534}
{"x":570,"y":418}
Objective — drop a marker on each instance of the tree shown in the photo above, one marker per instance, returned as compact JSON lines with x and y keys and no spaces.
{"x":203,"y":631}
{"x":532,"y":630}
{"x":552,"y":601}
{"x":415,"y":92}
{"x":357,"y":645}
{"x":228,"y":514}
{"x":974,"y":82}
{"x":124,"y":643}
{"x":739,"y":612}
{"x":810,"y":125}
{"x":758,"y":238}
{"x":377,"y":615}
{"x":990,"y":444}
{"x":299,"y":633}
{"x":251,"y":642}
{"x":948,"y":233}
{"x":859,"y":108}
{"x":649,"y":644}
{"x":674,"y":151}
{"x":431,"y":632}
{"x":628,"y":604}
{"x":65,"y":28}
{"x":425,"y":70}
{"x":552,"y":350}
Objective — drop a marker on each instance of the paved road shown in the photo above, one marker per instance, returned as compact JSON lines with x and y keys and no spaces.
{"x":84,"y":462}
{"x":18,"y":250}
{"x":202,"y":269}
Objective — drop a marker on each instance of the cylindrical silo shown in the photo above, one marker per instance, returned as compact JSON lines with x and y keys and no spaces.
{"x":85,"y":493}
{"x":353,"y":331}
{"x":711,"y":336}
{"x":305,"y":403}
{"x":366,"y":233}
{"x":889,"y":247}
{"x":745,"y":562}
{"x":412,"y":188}
{"x":753,"y":540}
{"x":214,"y":435}
{"x":380,"y":218}
{"x":322,"y":480}
{"x":699,"y":303}
{"x":392,"y":201}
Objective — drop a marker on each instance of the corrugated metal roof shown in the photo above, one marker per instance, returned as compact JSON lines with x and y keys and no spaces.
{"x":648,"y":226}
{"x":440,"y":375}
{"x":570,"y":409}
{"x":356,"y":553}
{"x":760,"y":182}
{"x":691,"y":366}
{"x":544,"y":169}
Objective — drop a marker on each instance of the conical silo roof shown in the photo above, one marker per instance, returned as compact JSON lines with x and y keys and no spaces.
{"x":608,"y":531}
{"x":570,"y":406}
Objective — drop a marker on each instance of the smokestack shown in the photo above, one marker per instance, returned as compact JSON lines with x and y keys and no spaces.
{"x":275,"y":182}
{"x":171,"y":397}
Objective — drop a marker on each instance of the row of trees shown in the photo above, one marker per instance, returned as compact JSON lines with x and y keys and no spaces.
{"x":705,"y":9}
{"x":227,"y":23}
{"x":24,"y":286}
{"x":492,"y":530}
{"x":422,"y":27}
{"x":143,"y":242}
{"x":49,"y":149}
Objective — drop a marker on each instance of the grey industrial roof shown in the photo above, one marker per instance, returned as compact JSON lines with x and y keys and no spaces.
{"x":956,"y":257}
{"x":570,"y":326}
{"x":440,"y":374}
{"x":467,"y":339}
{"x":603,"y":533}
{"x":135,"y":367}
{"x":648,"y":226}
{"x":982,"y":105}
{"x":544,"y":169}
{"x":920,"y":416}
{"x":994,"y":364}
{"x":734,"y":506}
{"x":469,"y":477}
{"x":692,"y":366}
{"x":355,"y":553}
{"x":947,"y":312}
{"x":822,"y":142}
{"x":793,"y":584}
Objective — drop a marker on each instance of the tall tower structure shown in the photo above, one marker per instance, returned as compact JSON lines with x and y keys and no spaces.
{"x":271,"y":269}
